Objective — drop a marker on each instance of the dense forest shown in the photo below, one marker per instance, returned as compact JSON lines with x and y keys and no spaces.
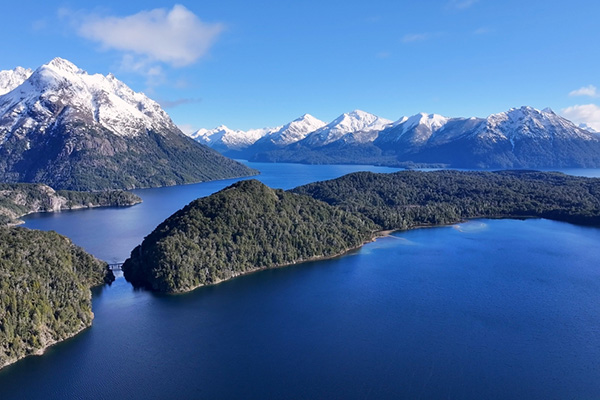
{"x":411,"y":198}
{"x":45,"y":293}
{"x":243,"y":228}
{"x":249,"y":226}
{"x":18,"y":199}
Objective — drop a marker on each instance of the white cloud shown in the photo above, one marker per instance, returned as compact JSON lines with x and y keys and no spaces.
{"x":188,"y":129}
{"x":589,"y":90}
{"x":415,"y":37}
{"x":176,"y":37}
{"x":482,"y":31}
{"x":461,"y":4}
{"x":588,"y":114}
{"x":177,"y":102}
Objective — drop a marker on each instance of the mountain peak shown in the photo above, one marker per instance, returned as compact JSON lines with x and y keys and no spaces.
{"x":70,"y":129}
{"x":361,"y":115}
{"x":355,"y":122}
{"x":431,"y":121}
{"x":60,"y":87}
{"x":306,"y":117}
{"x":62,"y":66}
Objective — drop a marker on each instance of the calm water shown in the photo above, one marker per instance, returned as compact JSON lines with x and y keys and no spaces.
{"x":485,"y":309}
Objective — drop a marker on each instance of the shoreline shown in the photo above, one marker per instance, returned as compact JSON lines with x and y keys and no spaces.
{"x":18,"y":221}
{"x":40,"y":352}
{"x":376,"y":235}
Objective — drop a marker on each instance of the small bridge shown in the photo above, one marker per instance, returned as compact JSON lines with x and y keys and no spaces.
{"x":115,"y":267}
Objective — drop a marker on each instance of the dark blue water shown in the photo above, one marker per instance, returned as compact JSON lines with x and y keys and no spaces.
{"x":111,"y":233}
{"x":486,"y":309}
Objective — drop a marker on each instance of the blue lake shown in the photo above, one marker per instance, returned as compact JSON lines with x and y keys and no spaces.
{"x":483,"y":309}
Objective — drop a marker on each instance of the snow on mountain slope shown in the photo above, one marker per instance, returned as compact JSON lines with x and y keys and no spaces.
{"x":223,"y":138}
{"x":71,"y":130}
{"x":353,"y":122}
{"x":61,"y":89}
{"x":12,"y":78}
{"x":294,"y":131}
{"x":417,"y":129}
{"x":431,"y":121}
{"x":530,"y":123}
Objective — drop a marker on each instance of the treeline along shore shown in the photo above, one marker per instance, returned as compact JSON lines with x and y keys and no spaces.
{"x":248,"y":226}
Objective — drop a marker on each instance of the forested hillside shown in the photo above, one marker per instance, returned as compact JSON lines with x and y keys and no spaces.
{"x":45,"y":296}
{"x":243,"y":228}
{"x":18,"y":199}
{"x":410,"y":198}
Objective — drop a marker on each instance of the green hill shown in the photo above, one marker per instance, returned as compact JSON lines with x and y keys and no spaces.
{"x":243,"y":228}
{"x":45,"y":296}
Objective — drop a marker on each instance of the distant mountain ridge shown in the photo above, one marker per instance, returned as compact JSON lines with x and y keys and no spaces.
{"x":12,"y":78}
{"x":61,"y":126}
{"x":518,"y":138}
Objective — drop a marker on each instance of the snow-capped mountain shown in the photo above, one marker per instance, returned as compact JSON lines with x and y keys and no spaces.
{"x":240,"y":143}
{"x":222,"y":138}
{"x":69,"y":129}
{"x":294,"y":131}
{"x":414,"y":130}
{"x":357,"y":122}
{"x":518,"y":138}
{"x":60,"y":85}
{"x":529,"y":123}
{"x":12,"y":78}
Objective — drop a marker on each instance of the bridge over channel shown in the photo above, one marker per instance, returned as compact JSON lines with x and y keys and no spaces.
{"x":115,"y":267}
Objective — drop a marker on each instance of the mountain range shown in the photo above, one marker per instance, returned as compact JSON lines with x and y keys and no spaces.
{"x":518,"y":138}
{"x":69,"y":129}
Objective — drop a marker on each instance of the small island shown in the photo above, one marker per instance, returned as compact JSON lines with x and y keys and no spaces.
{"x":247,"y":226}
{"x":19,"y":199}
{"x":45,"y":295}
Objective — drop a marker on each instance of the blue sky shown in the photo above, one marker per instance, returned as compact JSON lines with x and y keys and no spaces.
{"x":250,"y":64}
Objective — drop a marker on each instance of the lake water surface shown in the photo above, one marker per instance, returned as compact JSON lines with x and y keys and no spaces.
{"x":484,"y":309}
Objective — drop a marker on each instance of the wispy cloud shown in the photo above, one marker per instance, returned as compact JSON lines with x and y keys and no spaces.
{"x":461,"y":4}
{"x":188,"y":129}
{"x":588,"y":114}
{"x":589,"y":90}
{"x":177,"y":102}
{"x":176,"y":37}
{"x":416,"y":37}
{"x":482,"y":31}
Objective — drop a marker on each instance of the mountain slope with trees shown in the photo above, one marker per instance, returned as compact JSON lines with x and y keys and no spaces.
{"x":243,"y":228}
{"x":45,"y":296}
{"x":406,"y":199}
{"x":71,"y":130}
{"x":18,"y":199}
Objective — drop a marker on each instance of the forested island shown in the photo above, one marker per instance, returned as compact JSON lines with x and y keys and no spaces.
{"x":45,"y":295}
{"x":19,"y":199}
{"x":248,"y":226}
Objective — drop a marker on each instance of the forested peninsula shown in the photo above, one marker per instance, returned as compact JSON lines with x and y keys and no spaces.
{"x":243,"y":228}
{"x":45,"y":295}
{"x":19,"y":199}
{"x":248,"y":226}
